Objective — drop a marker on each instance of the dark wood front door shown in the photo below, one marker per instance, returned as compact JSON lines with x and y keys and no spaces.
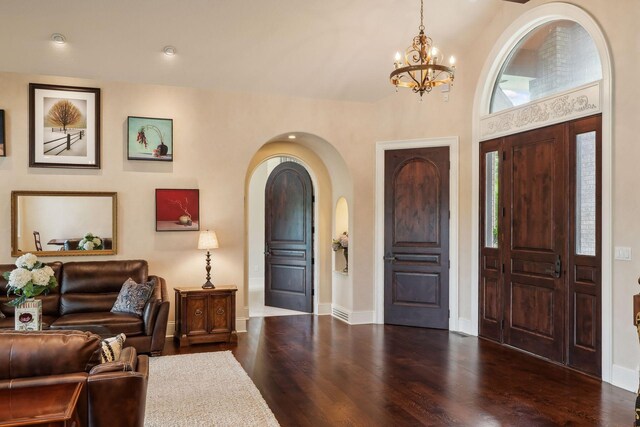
{"x":540,"y":262}
{"x":535,"y":236}
{"x":289,"y":238}
{"x":416,"y":276}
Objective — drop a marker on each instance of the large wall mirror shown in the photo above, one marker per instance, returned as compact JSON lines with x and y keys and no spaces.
{"x":56,"y":223}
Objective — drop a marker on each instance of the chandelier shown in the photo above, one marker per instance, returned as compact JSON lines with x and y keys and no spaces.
{"x":421,"y":69}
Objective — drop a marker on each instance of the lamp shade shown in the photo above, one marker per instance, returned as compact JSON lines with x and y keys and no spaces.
{"x":208,"y":240}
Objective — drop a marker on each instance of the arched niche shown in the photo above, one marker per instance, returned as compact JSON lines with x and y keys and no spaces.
{"x":341,"y":226}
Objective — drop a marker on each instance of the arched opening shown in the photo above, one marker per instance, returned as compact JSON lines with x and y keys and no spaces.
{"x":496,"y":115}
{"x":340,"y":244}
{"x":330,"y":176}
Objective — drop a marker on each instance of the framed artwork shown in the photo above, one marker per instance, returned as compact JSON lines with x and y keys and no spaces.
{"x":64,"y":126}
{"x":3,"y":147}
{"x":149,"y":139}
{"x":177,"y":210}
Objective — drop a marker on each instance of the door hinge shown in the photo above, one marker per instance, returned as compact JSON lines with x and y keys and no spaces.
{"x":449,"y":214}
{"x":313,"y":199}
{"x":449,"y":313}
{"x":313,"y":230}
{"x":504,"y":155}
{"x":504,"y":211}
{"x":449,"y":264}
{"x":313,"y":291}
{"x":313,"y":261}
{"x":503,"y":268}
{"x":502,"y":324}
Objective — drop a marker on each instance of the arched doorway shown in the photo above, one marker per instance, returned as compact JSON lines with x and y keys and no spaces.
{"x":331,"y":180}
{"x":569,"y":103}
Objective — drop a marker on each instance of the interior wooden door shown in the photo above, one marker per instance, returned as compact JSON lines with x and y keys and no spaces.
{"x":289,"y":238}
{"x":416,"y":289}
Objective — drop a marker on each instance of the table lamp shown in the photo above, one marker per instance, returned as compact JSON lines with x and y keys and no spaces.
{"x":208,"y":240}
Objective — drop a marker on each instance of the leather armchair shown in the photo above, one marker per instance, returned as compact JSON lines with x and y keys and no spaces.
{"x":113,"y":394}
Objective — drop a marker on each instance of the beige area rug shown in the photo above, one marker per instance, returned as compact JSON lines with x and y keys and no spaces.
{"x":204,"y":389}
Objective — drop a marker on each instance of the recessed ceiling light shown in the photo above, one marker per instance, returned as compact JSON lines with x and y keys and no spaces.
{"x":58,"y":38}
{"x":169,"y":50}
{"x":292,"y":137}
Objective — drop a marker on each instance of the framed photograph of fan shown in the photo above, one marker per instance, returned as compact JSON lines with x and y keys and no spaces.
{"x":177,"y":209}
{"x":64,"y":126}
{"x":149,"y":139}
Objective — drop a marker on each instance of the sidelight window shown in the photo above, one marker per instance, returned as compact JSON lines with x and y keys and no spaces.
{"x":586,"y":202}
{"x":492,"y":192}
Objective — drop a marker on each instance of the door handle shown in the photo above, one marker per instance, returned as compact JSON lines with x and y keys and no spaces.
{"x":557,"y":268}
{"x":391,"y":258}
{"x":267,"y":251}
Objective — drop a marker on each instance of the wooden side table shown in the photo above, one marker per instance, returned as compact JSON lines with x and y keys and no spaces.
{"x":205,"y":315}
{"x":53,"y":405}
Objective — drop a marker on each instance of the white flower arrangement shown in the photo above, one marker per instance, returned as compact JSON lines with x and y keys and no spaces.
{"x":30,"y":279}
{"x":341,"y":242}
{"x":90,"y":243}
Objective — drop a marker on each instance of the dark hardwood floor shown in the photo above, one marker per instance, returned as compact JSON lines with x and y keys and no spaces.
{"x":318,"y":371}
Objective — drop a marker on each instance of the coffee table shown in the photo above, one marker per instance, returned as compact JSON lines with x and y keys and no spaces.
{"x":53,"y":405}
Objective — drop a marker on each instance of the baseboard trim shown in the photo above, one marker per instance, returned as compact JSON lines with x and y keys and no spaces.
{"x":324,"y":309}
{"x":241,"y":326}
{"x":466,"y":326}
{"x":171,"y":328}
{"x":624,"y":378}
{"x":352,"y":317}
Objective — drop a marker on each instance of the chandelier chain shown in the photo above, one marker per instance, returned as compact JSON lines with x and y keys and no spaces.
{"x":421,"y":27}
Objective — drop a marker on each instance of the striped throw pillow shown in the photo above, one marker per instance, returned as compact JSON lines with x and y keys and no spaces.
{"x":111,"y":348}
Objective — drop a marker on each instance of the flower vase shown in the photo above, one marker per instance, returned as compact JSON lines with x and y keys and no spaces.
{"x":163,"y":149}
{"x":185,"y":220}
{"x":346,"y":260}
{"x":28,"y":315}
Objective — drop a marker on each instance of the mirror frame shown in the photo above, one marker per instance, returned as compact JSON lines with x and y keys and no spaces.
{"x":14,"y":222}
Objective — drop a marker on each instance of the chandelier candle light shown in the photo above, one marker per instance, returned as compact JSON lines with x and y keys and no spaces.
{"x":421,"y":69}
{"x":208,"y":240}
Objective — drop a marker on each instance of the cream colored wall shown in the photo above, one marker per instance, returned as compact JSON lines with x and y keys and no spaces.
{"x":216,"y":136}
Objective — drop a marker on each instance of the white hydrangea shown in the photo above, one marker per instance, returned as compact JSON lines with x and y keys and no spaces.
{"x":48,"y":270}
{"x":19,"y":278}
{"x":96,"y":241}
{"x":88,"y":246}
{"x":40,"y":277}
{"x":26,"y":261}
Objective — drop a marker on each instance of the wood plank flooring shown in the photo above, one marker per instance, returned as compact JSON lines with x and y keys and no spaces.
{"x":318,"y":371}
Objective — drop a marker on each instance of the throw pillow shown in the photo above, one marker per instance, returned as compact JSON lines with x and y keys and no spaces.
{"x":132,"y":297}
{"x":111,"y":348}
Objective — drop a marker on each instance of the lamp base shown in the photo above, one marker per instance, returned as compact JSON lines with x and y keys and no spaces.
{"x":208,"y":285}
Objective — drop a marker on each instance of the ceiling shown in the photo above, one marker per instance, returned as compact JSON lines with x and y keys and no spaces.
{"x":332,"y":49}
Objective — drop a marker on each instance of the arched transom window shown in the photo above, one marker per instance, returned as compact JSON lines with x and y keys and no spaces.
{"x":554,"y":57}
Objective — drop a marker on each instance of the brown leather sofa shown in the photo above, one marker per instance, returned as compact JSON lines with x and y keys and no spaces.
{"x":113,"y":393}
{"x":85,"y":294}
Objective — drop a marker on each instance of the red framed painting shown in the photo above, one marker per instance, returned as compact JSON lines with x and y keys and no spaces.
{"x":177,"y":210}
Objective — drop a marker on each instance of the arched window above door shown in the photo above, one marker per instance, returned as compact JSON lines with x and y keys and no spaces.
{"x":554,"y":57}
